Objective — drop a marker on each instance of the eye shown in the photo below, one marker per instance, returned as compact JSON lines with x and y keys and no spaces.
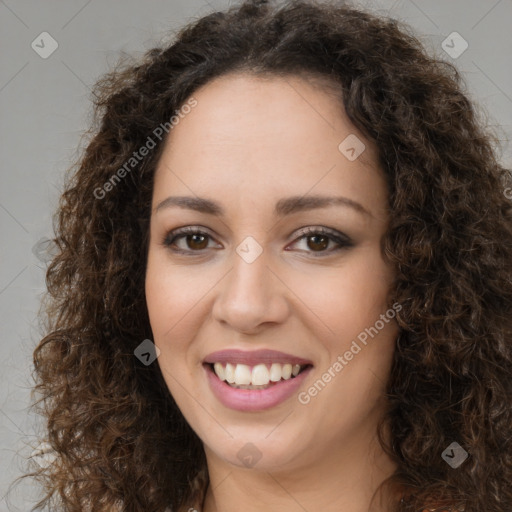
{"x":317,"y":239}
{"x":195,"y":240}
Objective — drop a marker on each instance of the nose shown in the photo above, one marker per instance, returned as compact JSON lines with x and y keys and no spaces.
{"x":251,"y":296}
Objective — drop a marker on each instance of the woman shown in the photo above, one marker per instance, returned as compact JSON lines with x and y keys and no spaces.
{"x":283,"y":280}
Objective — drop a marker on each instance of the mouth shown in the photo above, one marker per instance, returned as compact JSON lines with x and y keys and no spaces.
{"x":260,"y":376}
{"x":256,"y":380}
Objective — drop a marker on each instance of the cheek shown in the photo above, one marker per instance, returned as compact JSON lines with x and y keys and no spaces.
{"x":169,"y":324}
{"x":175,"y":301}
{"x":171,"y":294}
{"x":351,"y":296}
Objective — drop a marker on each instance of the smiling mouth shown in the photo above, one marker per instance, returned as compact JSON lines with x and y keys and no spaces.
{"x":260,"y":376}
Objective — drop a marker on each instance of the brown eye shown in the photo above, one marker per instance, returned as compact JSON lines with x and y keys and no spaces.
{"x":194,"y":240}
{"x":197,"y":241}
{"x":318,"y":242}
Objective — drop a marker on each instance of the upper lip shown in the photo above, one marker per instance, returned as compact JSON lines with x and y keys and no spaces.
{"x":253,"y":357}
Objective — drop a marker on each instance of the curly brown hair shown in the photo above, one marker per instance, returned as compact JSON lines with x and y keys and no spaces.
{"x":117,"y":434}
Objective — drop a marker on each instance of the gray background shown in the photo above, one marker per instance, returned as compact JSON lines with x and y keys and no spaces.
{"x":45,"y":106}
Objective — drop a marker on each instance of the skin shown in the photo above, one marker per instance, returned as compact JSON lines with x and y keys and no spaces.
{"x":248,"y":143}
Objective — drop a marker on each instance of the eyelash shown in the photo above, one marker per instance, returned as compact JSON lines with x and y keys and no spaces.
{"x":342,"y":240}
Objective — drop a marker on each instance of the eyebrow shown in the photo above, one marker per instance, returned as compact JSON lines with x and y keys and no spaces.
{"x":285,"y":206}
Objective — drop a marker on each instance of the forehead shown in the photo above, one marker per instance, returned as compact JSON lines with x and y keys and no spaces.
{"x":247,"y":107}
{"x":272,"y":131}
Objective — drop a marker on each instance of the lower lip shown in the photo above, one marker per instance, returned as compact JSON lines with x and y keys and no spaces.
{"x":254,"y":399}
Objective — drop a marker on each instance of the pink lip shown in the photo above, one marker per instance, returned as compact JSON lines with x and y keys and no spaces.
{"x":254,"y":357}
{"x":253,"y":399}
{"x":247,"y":400}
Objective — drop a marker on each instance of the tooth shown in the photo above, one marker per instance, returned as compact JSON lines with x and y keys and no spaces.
{"x":229,"y":373}
{"x":219,"y":370}
{"x":260,"y":375}
{"x":287,"y":371}
{"x":242,"y":374}
{"x":275,"y":372}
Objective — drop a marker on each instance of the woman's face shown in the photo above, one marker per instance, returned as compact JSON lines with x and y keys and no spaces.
{"x":251,"y":167}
